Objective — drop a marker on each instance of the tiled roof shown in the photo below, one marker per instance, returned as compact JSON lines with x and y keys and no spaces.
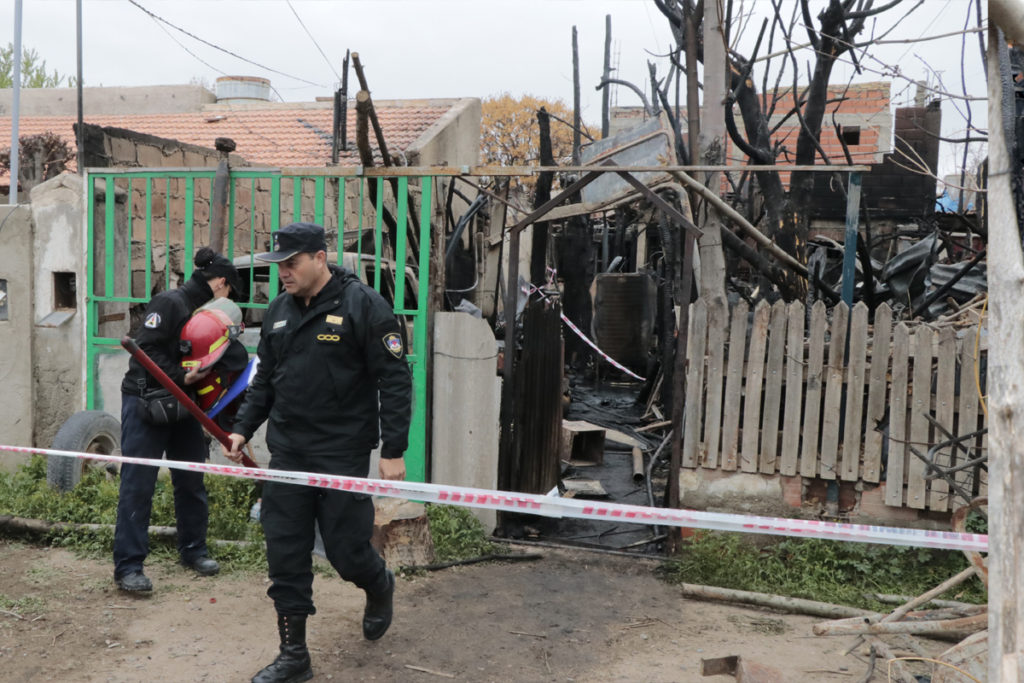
{"x":265,"y":137}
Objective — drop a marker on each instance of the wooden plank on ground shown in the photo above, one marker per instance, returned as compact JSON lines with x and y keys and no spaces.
{"x":773,"y":388}
{"x":718,"y":322}
{"x":734,"y":386}
{"x":945,"y":402}
{"x":693,"y":413}
{"x":920,"y":405}
{"x":828,"y":468}
{"x":897,"y":464}
{"x":790,"y":455}
{"x":968,"y":417}
{"x":878,"y":383}
{"x":812,"y":408}
{"x":849,"y":468}
{"x":752,"y":389}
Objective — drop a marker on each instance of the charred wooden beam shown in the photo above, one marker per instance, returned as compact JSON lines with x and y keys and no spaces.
{"x":381,"y":145}
{"x":364,"y":105}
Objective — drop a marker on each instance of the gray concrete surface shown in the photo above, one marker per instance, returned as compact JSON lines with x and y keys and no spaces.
{"x":466,"y":406}
{"x":16,"y":399}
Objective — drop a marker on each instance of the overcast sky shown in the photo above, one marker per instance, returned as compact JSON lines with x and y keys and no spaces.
{"x":441,"y":48}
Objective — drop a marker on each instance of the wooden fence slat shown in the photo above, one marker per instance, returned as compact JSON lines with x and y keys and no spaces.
{"x":833,"y":393}
{"x":945,"y":399}
{"x":880,"y":352}
{"x":718,"y":321}
{"x":896,"y":465}
{"x":696,"y":345}
{"x":734,"y":385}
{"x":752,"y":389}
{"x":794,"y":390}
{"x":855,"y":371}
{"x":968,"y":418}
{"x":773,"y":388}
{"x":812,"y":410}
{"x":920,"y":405}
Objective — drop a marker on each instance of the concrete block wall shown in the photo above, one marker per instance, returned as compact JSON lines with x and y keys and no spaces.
{"x":16,"y":323}
{"x":58,"y":252}
{"x":799,"y":497}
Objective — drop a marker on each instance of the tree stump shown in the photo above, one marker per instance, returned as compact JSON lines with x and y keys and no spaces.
{"x":401,"y":532}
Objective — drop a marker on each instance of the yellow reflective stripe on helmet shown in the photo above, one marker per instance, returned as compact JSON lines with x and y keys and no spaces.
{"x":219,"y":343}
{"x":205,"y":390}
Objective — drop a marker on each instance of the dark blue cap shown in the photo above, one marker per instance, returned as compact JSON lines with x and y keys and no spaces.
{"x":293,"y":239}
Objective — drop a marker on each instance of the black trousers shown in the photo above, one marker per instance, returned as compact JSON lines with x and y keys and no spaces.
{"x":288,"y":514}
{"x":180,"y":441}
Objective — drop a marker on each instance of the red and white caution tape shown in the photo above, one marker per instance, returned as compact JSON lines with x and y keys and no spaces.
{"x":550,"y":506}
{"x":611,"y":361}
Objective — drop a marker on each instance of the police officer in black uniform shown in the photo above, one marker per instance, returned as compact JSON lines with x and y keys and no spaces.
{"x":332,"y":381}
{"x":150,"y":434}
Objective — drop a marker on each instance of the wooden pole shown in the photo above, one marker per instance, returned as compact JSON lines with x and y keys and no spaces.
{"x":606,"y":74}
{"x":576,"y":122}
{"x":381,"y":145}
{"x":1006,"y":377}
{"x":712,"y":141}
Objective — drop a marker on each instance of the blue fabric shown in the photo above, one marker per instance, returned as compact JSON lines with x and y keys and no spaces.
{"x":180,"y":441}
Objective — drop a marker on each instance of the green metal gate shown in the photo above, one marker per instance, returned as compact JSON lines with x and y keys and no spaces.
{"x":141,"y":219}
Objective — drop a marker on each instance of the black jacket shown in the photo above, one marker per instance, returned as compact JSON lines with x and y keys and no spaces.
{"x":160,"y":332}
{"x":330,"y":374}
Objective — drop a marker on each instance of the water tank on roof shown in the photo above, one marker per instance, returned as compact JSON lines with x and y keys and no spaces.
{"x":240,"y":88}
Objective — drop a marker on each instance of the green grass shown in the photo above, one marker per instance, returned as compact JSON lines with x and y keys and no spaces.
{"x":457,"y":534}
{"x":25,"y":493}
{"x":815,"y":569}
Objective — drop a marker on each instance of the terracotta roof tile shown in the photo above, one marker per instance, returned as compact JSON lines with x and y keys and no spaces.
{"x":265,"y":137}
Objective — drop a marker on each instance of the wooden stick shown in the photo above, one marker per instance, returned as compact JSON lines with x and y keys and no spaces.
{"x":896,"y":667}
{"x":429,"y":671}
{"x":928,"y":595}
{"x":780,"y":602}
{"x":900,"y":599}
{"x":942,"y":627}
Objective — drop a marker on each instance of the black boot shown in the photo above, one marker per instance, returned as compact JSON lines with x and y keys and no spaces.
{"x":379,"y":599}
{"x":292,"y":665}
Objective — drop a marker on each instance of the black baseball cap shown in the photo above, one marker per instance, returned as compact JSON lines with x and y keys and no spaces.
{"x":293,"y":239}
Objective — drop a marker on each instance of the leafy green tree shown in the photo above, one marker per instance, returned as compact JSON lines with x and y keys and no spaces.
{"x":33,"y":70}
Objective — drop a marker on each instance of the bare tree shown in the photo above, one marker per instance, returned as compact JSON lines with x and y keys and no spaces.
{"x":831,"y":37}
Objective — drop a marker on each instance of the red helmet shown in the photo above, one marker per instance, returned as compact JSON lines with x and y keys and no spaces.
{"x":204,"y":339}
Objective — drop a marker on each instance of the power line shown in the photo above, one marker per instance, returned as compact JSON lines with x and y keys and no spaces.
{"x":217,"y":47}
{"x":314,"y":40}
{"x":182,"y":46}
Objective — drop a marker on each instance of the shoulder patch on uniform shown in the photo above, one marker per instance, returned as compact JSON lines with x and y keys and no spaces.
{"x":334,"y":319}
{"x":152,"y":321}
{"x":279,"y":324}
{"x":393,"y":343}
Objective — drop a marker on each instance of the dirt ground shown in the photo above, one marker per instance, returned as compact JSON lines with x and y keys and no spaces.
{"x":570,"y":616}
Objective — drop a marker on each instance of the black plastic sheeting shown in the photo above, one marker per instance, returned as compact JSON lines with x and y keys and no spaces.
{"x":907,"y":279}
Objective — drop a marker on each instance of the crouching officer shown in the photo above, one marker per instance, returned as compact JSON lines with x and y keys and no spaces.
{"x":332,"y":381}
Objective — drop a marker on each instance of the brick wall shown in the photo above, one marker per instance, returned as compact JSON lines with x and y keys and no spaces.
{"x":892,"y":188}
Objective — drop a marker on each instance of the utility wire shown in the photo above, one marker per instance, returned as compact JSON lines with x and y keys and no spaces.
{"x":217,"y":47}
{"x":183,"y":47}
{"x":314,"y":40}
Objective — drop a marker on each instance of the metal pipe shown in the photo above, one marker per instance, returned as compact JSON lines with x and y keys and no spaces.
{"x":12,"y":196}
{"x":80,"y":133}
{"x":166,"y":382}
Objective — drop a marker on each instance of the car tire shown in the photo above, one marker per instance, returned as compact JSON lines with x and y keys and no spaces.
{"x":87,"y":431}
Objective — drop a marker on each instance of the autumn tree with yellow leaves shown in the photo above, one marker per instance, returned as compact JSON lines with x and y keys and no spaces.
{"x":511,"y":137}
